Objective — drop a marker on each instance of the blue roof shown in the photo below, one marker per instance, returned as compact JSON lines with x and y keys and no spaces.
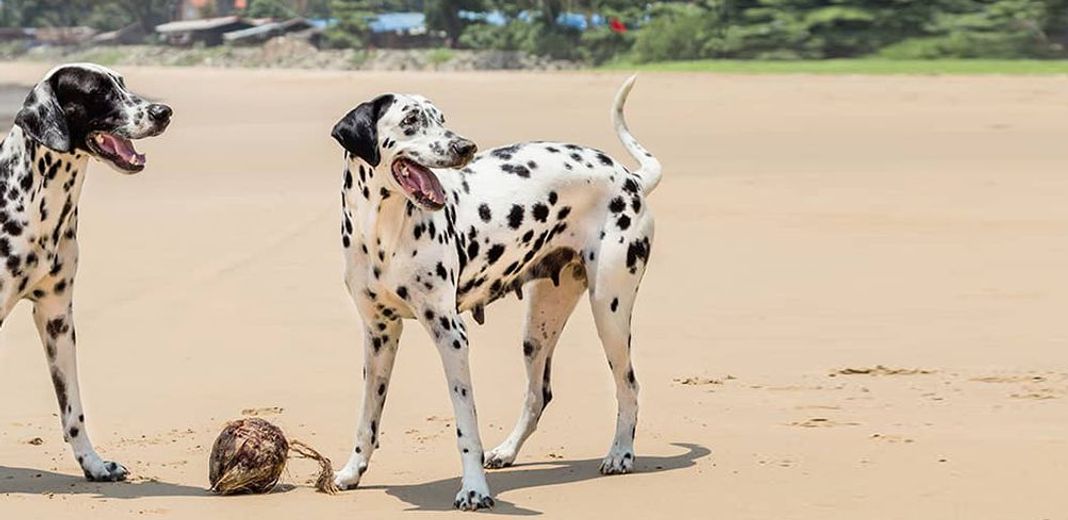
{"x":573,"y":20}
{"x":397,"y":22}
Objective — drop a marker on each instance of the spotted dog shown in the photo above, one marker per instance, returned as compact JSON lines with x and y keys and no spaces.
{"x":76,"y":112}
{"x":543,"y":220}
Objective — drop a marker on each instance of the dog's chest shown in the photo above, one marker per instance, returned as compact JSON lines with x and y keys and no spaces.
{"x":39,"y":190}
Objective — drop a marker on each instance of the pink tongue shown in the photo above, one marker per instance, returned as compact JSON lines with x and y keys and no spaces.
{"x":123,"y":148}
{"x":426,"y":184}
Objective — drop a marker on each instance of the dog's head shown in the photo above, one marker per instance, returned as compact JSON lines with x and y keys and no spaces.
{"x":407,"y":135}
{"x":87,"y":107}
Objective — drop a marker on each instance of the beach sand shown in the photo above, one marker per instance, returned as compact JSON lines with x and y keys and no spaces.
{"x":856,"y":306}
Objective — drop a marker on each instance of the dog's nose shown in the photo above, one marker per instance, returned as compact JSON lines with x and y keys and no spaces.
{"x":160,"y":113}
{"x":464,"y":148}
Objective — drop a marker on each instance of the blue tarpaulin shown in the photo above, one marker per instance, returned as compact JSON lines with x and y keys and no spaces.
{"x":398,"y":22}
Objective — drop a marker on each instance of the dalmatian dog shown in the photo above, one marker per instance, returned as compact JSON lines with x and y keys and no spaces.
{"x":430,"y":231}
{"x":77,"y":112}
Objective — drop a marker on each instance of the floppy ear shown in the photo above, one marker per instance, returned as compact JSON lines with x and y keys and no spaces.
{"x":358,"y":130}
{"x":42,"y":118}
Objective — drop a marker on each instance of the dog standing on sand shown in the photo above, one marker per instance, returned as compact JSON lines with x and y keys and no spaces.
{"x":545,"y":220}
{"x":76,"y":112}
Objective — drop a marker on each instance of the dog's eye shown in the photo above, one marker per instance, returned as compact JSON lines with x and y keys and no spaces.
{"x":411,"y":120}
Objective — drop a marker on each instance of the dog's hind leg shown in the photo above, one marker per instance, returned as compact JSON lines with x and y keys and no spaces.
{"x":614,"y":286}
{"x":54,"y":317}
{"x":547,"y":312}
{"x":381,"y":338}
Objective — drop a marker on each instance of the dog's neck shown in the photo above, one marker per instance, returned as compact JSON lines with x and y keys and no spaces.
{"x":40,"y":186}
{"x":378,"y":214}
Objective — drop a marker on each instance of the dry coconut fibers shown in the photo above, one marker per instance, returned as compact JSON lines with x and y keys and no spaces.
{"x":250,"y":455}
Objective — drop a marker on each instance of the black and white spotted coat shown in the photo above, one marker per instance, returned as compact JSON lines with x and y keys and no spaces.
{"x":43,"y":162}
{"x":546,"y":221}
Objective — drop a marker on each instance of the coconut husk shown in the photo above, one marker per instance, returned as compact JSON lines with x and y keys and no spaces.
{"x":250,"y":455}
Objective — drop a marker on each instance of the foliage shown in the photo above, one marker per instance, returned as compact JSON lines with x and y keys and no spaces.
{"x":444,"y":16}
{"x":655,"y":30}
{"x":279,"y":9}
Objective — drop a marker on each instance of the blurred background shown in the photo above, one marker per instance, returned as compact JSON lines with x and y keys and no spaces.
{"x":539,"y":34}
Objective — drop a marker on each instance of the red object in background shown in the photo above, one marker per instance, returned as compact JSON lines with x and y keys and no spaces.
{"x":617,"y":26}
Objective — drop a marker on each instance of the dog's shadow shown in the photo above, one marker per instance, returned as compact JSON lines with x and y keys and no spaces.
{"x":438,"y":495}
{"x":36,"y":482}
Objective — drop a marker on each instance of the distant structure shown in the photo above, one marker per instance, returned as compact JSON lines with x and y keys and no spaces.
{"x":197,"y":9}
{"x":297,"y":27}
{"x":208,"y":32}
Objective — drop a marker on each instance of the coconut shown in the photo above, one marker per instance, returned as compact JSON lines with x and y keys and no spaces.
{"x":250,"y":455}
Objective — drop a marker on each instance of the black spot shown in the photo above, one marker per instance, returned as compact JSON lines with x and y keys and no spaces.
{"x":564,"y":212}
{"x":13,"y":228}
{"x":402,"y":291}
{"x":552,"y":197}
{"x":623,"y":222}
{"x":515,"y":216}
{"x":494,"y":253}
{"x":528,"y":349}
{"x":441,"y":272}
{"x":456,"y":344}
{"x":540,"y":212}
{"x":637,"y":250}
{"x":381,"y":389}
{"x":484,"y":213}
{"x":516,"y":169}
{"x":617,"y":205}
{"x":615,"y":304}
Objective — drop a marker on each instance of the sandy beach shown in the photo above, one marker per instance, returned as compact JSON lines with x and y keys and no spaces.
{"x":856,"y":306}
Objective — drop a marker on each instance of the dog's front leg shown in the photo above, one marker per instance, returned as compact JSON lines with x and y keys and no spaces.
{"x":381,"y":337}
{"x":450,"y":335}
{"x":54,"y":317}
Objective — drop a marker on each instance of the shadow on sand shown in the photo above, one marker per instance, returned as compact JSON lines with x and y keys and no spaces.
{"x":429,"y":496}
{"x":438,"y":495}
{"x":36,"y":482}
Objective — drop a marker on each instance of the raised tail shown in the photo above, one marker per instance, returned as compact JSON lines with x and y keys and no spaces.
{"x":649,"y":172}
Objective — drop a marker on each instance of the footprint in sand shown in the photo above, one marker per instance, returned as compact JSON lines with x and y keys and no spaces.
{"x":821,"y":422}
{"x":269,"y":410}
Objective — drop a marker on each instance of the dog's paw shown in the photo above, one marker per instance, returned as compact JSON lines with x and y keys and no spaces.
{"x":499,"y":457}
{"x":473,"y":498}
{"x":617,"y":462}
{"x":349,"y":477}
{"x":97,"y":470}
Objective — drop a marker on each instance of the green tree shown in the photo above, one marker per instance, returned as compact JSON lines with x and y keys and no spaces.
{"x":444,"y":15}
{"x":279,"y":9}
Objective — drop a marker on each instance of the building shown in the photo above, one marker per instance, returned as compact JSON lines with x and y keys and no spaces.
{"x":197,"y":9}
{"x":208,"y":32}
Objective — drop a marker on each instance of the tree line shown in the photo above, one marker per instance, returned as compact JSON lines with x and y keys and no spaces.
{"x":653,"y":31}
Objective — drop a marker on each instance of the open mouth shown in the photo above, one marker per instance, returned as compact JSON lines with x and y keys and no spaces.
{"x":118,"y":151}
{"x":421,"y":185}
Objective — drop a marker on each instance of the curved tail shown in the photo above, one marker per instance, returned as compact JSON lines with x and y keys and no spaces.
{"x":649,"y":172}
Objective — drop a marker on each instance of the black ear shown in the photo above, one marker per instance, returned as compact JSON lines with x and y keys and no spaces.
{"x":43,"y":120}
{"x":358,"y":130}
